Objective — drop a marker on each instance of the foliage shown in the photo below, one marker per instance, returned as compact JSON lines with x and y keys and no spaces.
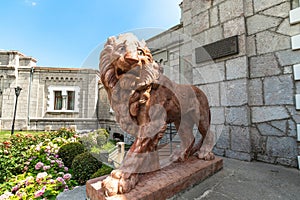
{"x":30,"y":167}
{"x":95,"y":150}
{"x":89,"y":140}
{"x":84,"y":166}
{"x":63,"y":133}
{"x":104,"y":170}
{"x":108,"y":146}
{"x":68,"y":152}
{"x":5,"y":135}
{"x":97,"y":138}
{"x":102,"y":137}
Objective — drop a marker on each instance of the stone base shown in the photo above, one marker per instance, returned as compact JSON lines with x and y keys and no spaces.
{"x":161,"y":184}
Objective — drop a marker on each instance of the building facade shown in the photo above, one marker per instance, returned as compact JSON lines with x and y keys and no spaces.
{"x":50,"y":98}
{"x":245,"y":55}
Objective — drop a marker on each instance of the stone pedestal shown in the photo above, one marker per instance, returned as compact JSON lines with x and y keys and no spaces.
{"x":161,"y":184}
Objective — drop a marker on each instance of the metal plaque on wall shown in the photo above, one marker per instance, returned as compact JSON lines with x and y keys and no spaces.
{"x":219,"y":49}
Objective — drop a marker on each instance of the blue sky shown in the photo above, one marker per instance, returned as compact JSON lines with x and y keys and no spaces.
{"x":63,"y":33}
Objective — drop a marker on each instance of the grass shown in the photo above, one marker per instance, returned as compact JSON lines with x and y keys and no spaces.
{"x":4,"y":135}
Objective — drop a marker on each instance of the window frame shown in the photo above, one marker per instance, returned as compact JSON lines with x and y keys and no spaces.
{"x":65,"y":90}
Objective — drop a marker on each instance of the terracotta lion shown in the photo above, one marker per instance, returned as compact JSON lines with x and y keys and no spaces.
{"x":145,"y":101}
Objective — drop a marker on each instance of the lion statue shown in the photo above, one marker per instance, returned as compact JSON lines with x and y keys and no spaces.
{"x":145,"y":101}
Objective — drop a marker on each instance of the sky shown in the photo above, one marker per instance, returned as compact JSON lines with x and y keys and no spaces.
{"x":63,"y":33}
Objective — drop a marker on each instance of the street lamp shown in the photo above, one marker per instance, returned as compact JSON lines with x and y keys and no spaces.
{"x":17,"y":92}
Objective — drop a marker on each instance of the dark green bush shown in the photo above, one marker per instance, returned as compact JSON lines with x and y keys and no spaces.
{"x":101,"y":139}
{"x":84,"y":166}
{"x":68,"y":152}
{"x":104,"y":170}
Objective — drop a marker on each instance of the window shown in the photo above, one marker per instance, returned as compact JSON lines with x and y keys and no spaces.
{"x":71,"y":100}
{"x":63,"y":99}
{"x":57,"y":100}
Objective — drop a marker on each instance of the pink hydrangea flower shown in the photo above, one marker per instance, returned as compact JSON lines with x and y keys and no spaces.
{"x":39,"y":165}
{"x":66,"y":169}
{"x":40,"y":192}
{"x":60,"y":179}
{"x":38,"y":148}
{"x":45,"y":168}
{"x":25,"y":168}
{"x":20,"y":194}
{"x":41,"y":176}
{"x":67,"y":176}
{"x":15,"y":188}
{"x":29,"y":180}
{"x":6,"y":195}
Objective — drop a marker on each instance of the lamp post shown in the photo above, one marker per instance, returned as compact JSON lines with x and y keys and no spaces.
{"x":17,"y":92}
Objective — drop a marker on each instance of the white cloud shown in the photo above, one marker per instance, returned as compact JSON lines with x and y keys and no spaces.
{"x":31,"y":3}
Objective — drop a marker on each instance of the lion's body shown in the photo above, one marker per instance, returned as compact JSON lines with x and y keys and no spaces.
{"x":186,"y":106}
{"x":145,"y":101}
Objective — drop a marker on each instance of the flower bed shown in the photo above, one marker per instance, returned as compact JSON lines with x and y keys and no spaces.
{"x":30,"y":167}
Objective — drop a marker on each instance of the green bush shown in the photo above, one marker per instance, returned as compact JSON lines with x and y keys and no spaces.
{"x":68,"y":152}
{"x":101,"y":139}
{"x":102,"y":136}
{"x":104,"y":170}
{"x":63,"y":133}
{"x":89,"y":140}
{"x":108,"y":146}
{"x":97,"y":138}
{"x":84,"y":166}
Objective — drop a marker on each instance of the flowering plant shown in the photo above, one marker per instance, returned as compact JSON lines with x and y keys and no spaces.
{"x":30,"y":167}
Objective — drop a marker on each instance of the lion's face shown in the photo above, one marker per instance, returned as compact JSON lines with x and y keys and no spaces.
{"x":129,"y":53}
{"x":125,"y":54}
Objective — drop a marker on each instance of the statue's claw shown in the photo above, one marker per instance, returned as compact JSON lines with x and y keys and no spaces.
{"x":205,"y":156}
{"x":119,"y":183}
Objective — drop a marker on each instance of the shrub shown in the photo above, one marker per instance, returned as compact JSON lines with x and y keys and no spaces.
{"x":104,"y":170}
{"x":89,"y":140}
{"x":68,"y":152}
{"x":102,"y":136}
{"x":63,"y":133}
{"x":101,"y":139}
{"x":84,"y":166}
{"x":108,"y":146}
{"x":97,"y":138}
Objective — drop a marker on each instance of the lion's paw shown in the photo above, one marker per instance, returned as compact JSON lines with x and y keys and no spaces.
{"x":119,"y":182}
{"x":178,"y":156}
{"x":208,"y":156}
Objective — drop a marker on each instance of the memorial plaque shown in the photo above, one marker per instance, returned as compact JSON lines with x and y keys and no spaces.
{"x":219,"y":49}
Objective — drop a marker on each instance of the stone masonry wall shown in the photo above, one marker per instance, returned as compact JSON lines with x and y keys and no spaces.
{"x":224,"y":80}
{"x":251,"y":93}
{"x":271,"y":85}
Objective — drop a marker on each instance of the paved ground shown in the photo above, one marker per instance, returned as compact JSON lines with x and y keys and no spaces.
{"x":243,"y":180}
{"x":237,"y":181}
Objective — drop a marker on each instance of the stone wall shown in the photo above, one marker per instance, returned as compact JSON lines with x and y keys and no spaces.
{"x":271,"y":85}
{"x":251,"y":93}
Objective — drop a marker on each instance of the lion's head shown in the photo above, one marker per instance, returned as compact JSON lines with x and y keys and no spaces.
{"x":120,"y":55}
